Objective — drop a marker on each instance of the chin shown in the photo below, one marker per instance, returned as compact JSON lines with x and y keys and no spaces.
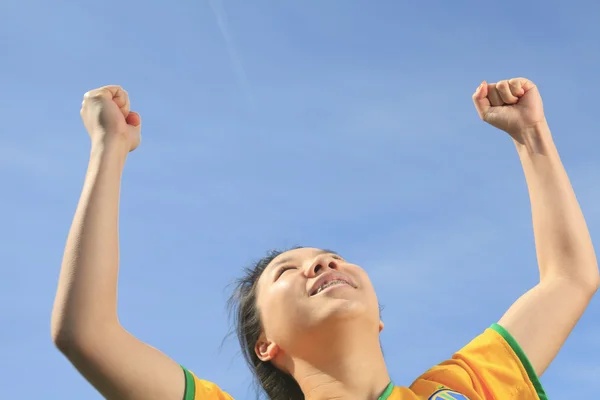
{"x":344,"y":310}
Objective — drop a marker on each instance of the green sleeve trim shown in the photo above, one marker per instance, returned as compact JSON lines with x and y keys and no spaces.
{"x":190,"y":385}
{"x":387,"y":392}
{"x":535,"y":380}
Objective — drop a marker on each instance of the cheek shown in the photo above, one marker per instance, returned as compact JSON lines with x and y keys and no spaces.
{"x":369,"y":289}
{"x":280,"y":309}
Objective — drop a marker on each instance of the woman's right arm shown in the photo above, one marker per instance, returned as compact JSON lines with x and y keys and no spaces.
{"x":85,"y":325}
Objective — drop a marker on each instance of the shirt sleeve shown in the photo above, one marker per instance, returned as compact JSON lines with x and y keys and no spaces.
{"x":199,"y":389}
{"x":492,"y":366}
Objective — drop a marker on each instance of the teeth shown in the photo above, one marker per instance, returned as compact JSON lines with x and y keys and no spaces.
{"x":325,"y":286}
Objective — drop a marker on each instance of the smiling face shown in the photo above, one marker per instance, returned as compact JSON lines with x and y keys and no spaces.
{"x":307,"y":292}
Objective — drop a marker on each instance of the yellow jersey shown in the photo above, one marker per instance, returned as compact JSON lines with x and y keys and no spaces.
{"x":492,"y":366}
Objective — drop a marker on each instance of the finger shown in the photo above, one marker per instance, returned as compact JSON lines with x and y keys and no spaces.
{"x":494,"y":96}
{"x":105,"y":92}
{"x":505,"y":93}
{"x":120,"y":97}
{"x":133,"y":119}
{"x":111,"y":93}
{"x":516,"y":87}
{"x":520,"y":86}
{"x":481,"y":101}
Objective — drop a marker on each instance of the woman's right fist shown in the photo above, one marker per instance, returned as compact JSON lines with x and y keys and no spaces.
{"x":108,"y":120}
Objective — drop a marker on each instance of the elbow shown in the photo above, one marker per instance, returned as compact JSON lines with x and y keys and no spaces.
{"x":81,"y":338}
{"x":64,"y":340}
{"x":74,"y":344}
{"x":595,"y":282}
{"x":69,"y":339}
{"x":582,"y":274}
{"x":63,"y":345}
{"x":60,"y":330}
{"x":589,"y":283}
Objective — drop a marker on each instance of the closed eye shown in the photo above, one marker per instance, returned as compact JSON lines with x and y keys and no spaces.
{"x":282,"y":270}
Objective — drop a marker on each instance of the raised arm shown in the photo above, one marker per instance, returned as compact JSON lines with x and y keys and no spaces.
{"x":85,"y":326}
{"x":542,"y":319}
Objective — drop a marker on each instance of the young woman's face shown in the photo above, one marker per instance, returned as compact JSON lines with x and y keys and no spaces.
{"x":302,"y":291}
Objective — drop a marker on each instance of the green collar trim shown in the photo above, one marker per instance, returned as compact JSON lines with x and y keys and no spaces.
{"x":386,"y":393}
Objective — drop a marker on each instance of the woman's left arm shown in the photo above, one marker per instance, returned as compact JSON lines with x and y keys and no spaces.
{"x":542,"y":319}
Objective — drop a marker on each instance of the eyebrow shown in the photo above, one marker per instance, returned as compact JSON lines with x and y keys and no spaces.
{"x":288,"y":258}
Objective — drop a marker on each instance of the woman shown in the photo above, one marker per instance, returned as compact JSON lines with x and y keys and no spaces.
{"x":307,"y":319}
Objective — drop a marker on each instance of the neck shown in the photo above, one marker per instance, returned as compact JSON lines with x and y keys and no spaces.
{"x":345,"y":365}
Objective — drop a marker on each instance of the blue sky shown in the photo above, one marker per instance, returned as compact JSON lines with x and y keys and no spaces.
{"x":338,"y":124}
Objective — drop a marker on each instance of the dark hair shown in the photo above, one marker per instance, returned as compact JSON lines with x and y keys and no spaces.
{"x":277,"y":384}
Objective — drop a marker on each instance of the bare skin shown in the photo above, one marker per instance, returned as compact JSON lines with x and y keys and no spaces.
{"x":353,"y":366}
{"x":542,"y":319}
{"x":86,"y":328}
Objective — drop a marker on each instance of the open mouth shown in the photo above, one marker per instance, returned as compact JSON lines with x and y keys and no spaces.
{"x":329,"y":283}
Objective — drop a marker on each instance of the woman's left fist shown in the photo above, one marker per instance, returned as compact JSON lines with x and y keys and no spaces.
{"x":512,"y":105}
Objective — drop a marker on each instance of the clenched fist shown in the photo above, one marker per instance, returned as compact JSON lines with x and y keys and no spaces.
{"x":108,"y":119}
{"x":512,"y":105}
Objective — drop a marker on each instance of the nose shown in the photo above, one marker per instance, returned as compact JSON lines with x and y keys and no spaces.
{"x":321,"y":264}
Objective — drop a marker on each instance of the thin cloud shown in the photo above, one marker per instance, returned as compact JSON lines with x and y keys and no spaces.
{"x":236,"y":61}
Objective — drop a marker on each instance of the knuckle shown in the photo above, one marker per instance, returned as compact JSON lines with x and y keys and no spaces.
{"x":92,"y":94}
{"x":116,"y":89}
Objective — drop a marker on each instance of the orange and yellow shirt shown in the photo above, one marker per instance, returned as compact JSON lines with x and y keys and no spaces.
{"x":492,"y":366}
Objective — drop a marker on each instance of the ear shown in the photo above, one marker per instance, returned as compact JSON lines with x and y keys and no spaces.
{"x":265,"y":349}
{"x":380,"y":326}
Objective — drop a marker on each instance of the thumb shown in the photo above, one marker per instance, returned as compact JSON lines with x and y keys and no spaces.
{"x":134,"y":119}
{"x":481,"y":101}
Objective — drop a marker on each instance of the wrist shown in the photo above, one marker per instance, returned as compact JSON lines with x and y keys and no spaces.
{"x":114,"y":153}
{"x":115,"y":147}
{"x":534,"y":139}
